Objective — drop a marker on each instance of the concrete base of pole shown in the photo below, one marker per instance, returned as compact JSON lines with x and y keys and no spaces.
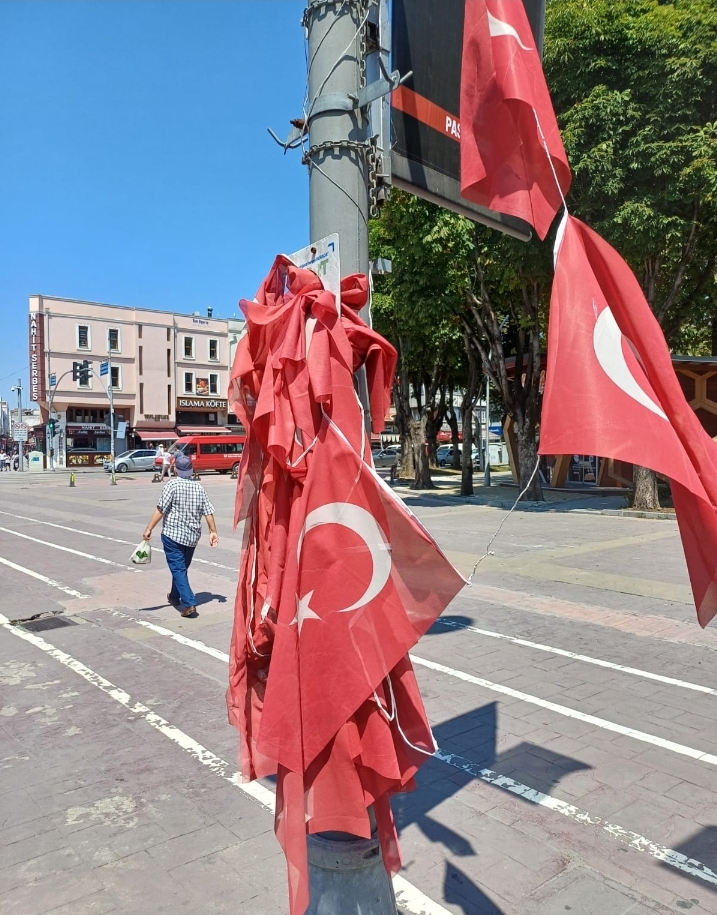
{"x":347,"y":877}
{"x":113,"y":480}
{"x":486,"y":477}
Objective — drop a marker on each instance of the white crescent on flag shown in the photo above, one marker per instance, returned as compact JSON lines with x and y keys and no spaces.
{"x":607,"y":343}
{"x":498,"y":28}
{"x":362,"y":523}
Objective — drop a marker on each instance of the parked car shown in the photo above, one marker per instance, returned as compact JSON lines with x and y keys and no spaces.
{"x":444,"y":455}
{"x":138,"y":459}
{"x":385,"y":458}
{"x":211,"y":452}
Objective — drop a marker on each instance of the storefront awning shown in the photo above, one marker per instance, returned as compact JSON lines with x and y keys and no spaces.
{"x":159,"y":435}
{"x":204,"y":430}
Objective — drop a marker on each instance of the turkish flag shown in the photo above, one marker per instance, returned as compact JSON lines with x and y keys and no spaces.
{"x":611,"y":390}
{"x":338,"y":580}
{"x":507,"y":118}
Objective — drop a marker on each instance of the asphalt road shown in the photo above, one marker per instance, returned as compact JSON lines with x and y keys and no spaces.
{"x":571,"y":692}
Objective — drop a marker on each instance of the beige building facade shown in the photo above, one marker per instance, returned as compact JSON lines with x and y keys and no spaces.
{"x":168,"y":372}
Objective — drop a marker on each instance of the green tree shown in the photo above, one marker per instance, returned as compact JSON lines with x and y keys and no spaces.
{"x":634,"y":84}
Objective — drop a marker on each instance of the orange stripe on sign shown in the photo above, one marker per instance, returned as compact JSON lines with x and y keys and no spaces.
{"x":415,"y":105}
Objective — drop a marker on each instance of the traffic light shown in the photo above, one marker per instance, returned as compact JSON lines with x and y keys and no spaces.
{"x":51,"y":428}
{"x":81,"y":371}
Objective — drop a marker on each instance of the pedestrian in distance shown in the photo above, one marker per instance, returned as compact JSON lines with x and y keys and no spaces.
{"x":182,"y":504}
{"x":166,"y":464}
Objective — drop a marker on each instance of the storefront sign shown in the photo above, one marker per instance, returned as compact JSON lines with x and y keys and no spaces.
{"x":74,"y":428}
{"x":38,"y":387}
{"x":200,"y":403}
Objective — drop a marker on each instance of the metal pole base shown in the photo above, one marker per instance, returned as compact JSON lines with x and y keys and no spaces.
{"x":72,"y":479}
{"x":348,"y":878}
{"x":486,"y":478}
{"x":113,"y":480}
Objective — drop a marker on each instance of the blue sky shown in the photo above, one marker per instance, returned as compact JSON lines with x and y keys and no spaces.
{"x":135,"y":165}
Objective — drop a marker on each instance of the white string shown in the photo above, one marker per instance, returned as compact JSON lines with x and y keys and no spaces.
{"x":394,"y":717}
{"x":339,"y":59}
{"x":488,"y":551}
{"x":550,"y":158}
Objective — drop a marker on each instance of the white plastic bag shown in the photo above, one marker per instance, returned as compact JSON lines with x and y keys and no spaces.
{"x":142,"y":554}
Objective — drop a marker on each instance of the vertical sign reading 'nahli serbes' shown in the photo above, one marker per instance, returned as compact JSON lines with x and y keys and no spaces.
{"x":38,"y":388}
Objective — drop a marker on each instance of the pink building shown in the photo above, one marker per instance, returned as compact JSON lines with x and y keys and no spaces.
{"x":169,"y":375}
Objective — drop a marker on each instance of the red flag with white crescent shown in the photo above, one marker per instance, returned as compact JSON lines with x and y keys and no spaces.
{"x":512,"y":155}
{"x":611,"y":390}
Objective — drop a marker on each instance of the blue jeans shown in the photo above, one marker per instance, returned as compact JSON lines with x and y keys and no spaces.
{"x":179,"y":558}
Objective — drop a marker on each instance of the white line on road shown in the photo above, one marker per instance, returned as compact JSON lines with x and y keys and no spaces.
{"x":632,"y":839}
{"x":411,"y":899}
{"x":67,"y":549}
{"x":478,"y":681}
{"x":671,"y":681}
{"x":570,"y":712}
{"x":44,"y":578}
{"x":74,"y":530}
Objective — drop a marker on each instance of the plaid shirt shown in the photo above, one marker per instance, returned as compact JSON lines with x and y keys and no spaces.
{"x":183,"y":503}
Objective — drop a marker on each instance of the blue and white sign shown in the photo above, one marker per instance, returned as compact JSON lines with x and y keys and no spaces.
{"x":104,"y":368}
{"x":53,"y":380}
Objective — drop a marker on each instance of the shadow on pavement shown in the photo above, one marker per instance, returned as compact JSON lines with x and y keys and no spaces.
{"x":474,"y":736}
{"x":205,"y":597}
{"x":702,"y":848}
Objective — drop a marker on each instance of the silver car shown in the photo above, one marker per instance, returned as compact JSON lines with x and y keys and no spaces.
{"x":139,"y":459}
{"x":385,"y":458}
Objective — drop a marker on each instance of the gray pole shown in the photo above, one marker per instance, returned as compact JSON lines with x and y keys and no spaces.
{"x":20,"y":457}
{"x":346,"y":873}
{"x":486,"y":477}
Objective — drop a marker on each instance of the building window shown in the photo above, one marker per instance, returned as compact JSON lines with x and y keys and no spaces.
{"x":213,"y":383}
{"x":189,"y":347}
{"x":83,"y":336}
{"x":169,"y":363}
{"x":169,"y":334}
{"x":141,"y":397}
{"x":214,"y":351}
{"x":140,"y":361}
{"x":116,"y":381}
{"x":139,"y":331}
{"x":113,"y":339}
{"x":189,"y":382}
{"x":169,"y":400}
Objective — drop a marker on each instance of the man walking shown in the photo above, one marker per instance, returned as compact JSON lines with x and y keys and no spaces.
{"x":182,"y":504}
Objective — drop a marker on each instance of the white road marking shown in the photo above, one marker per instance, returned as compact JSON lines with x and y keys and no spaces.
{"x":570,"y":712}
{"x":409,"y":897}
{"x":478,"y":681}
{"x":44,"y":578}
{"x":631,"y":839}
{"x":67,"y":549}
{"x":74,"y":530}
{"x":412,"y":900}
{"x":670,"y":681}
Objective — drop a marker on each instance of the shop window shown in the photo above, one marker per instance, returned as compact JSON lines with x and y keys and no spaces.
{"x":189,"y":347}
{"x":189,"y":382}
{"x":214,"y":351}
{"x":83,"y":336}
{"x":116,"y":380}
{"x":213,"y":383}
{"x":113,"y":339}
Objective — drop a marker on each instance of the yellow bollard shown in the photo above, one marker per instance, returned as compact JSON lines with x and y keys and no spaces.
{"x":113,"y":481}
{"x":72,"y":479}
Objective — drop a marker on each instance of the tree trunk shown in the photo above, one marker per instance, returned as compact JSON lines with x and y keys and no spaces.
{"x":527,"y":459}
{"x":646,"y":497}
{"x":452,"y":421}
{"x":419,"y":448}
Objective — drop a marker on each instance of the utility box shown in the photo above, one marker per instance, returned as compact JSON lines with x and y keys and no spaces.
{"x":36,"y":461}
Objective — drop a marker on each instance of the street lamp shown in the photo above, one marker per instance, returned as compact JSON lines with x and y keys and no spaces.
{"x":18,"y":387}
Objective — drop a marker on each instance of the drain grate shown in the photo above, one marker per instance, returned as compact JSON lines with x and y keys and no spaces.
{"x":47,"y":622}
